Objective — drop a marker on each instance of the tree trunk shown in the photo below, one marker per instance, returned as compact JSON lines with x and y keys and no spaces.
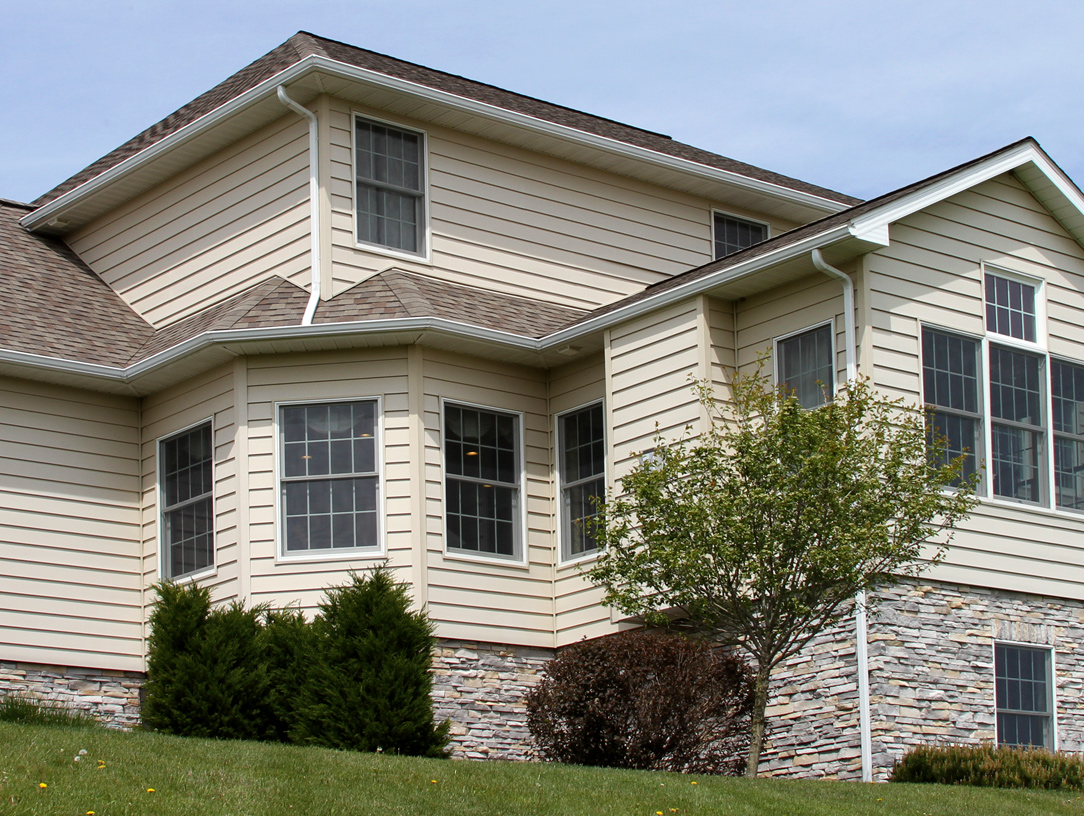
{"x":760,"y":704}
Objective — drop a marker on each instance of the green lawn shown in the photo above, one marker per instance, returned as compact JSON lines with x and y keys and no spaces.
{"x":153,"y":774}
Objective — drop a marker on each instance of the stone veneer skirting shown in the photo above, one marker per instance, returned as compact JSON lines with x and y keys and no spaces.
{"x":930,"y":649}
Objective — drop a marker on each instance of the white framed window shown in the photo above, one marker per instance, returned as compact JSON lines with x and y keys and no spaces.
{"x":951,"y":387}
{"x":186,"y":496}
{"x":804,"y":364}
{"x":732,"y":234}
{"x":483,"y":481}
{"x":581,"y":469}
{"x":1024,"y":695}
{"x":1067,"y":424}
{"x":389,"y":186}
{"x":329,"y":478}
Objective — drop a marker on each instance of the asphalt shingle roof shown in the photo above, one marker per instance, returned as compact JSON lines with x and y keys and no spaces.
{"x":303,"y":44}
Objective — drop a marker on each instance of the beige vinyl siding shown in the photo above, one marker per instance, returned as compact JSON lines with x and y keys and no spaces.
{"x":482,"y":598}
{"x":931,"y":274}
{"x":213,"y":230}
{"x":524,"y":223}
{"x":70,"y":583}
{"x":339,"y":375}
{"x":208,"y":396}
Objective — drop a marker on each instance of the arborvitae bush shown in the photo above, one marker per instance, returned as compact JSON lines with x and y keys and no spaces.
{"x":369,"y":686}
{"x":987,"y":766}
{"x":288,"y":646}
{"x":205,"y":672}
{"x":644,"y":700}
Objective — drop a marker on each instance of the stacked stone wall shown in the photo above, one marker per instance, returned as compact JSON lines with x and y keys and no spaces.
{"x":111,"y":697}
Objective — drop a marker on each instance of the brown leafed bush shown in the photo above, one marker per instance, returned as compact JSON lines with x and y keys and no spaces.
{"x":990,"y":767}
{"x":644,"y":700}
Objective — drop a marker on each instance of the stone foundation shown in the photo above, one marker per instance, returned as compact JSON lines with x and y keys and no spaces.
{"x":481,"y":688}
{"x":110,"y":696}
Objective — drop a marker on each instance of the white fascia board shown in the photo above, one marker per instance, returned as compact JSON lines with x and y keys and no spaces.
{"x":995,"y":166}
{"x":312,"y":63}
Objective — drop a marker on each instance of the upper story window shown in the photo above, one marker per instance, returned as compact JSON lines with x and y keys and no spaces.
{"x":186,"y":476}
{"x":482,"y":481}
{"x":1024,"y":696}
{"x":1010,"y":307}
{"x":1067,"y":423}
{"x":390,"y":178}
{"x":803,"y":364}
{"x":582,"y":471}
{"x":329,"y":478}
{"x":734,"y":234}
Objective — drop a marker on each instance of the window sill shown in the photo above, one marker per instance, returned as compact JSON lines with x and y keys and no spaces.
{"x":398,"y":254}
{"x":192,"y":577}
{"x":1028,"y":507}
{"x":578,"y":561}
{"x":325,"y":556}
{"x":488,"y":560}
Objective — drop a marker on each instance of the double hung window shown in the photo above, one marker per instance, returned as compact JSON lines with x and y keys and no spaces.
{"x":186,"y":476}
{"x":390,"y":186}
{"x":735,"y":234}
{"x":329,"y":479}
{"x":950,"y":374}
{"x":582,"y":470}
{"x":1067,"y":415}
{"x":1024,"y":694}
{"x":804,"y":365}
{"x":482,"y":482}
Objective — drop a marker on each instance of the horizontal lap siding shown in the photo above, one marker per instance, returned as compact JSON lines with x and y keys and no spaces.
{"x":488,"y":599}
{"x":206,"y":397}
{"x":532,"y":225}
{"x":212,"y":231}
{"x":70,"y":583}
{"x":340,"y":375}
{"x":931,"y":274}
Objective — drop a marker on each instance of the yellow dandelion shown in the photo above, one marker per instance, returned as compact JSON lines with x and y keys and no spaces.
{"x":658,"y":813}
{"x":90,"y":813}
{"x":150,"y":790}
{"x":42,"y":785}
{"x":694,"y":783}
{"x":433,"y":781}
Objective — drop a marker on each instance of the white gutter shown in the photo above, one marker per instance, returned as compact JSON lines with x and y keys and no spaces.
{"x":314,"y":202}
{"x":44,"y":214}
{"x":860,"y":623}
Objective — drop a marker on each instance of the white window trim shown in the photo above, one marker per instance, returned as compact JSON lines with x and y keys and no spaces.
{"x":354,"y":553}
{"x":1053,"y":682}
{"x":831,"y":323}
{"x":425,"y":256}
{"x":559,"y":477}
{"x":520,"y":557}
{"x":716,"y":211}
{"x":1041,"y":338}
{"x":206,"y":572}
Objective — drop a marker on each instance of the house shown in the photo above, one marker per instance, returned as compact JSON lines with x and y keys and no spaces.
{"x":342,"y":308}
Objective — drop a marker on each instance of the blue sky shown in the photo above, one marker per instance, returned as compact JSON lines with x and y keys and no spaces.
{"x":857,"y":96}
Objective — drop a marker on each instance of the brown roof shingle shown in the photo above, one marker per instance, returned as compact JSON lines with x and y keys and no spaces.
{"x":303,"y":44}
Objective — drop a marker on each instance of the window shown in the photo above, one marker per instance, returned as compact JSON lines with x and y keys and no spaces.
{"x":329,"y":482}
{"x":804,"y":365}
{"x":734,"y":234}
{"x":1024,"y":695}
{"x":950,"y":383}
{"x":186,"y":473}
{"x":1016,"y":435}
{"x":482,"y":481}
{"x":1067,"y":415}
{"x":582,"y":468}
{"x":390,"y":177}
{"x":1010,"y":307}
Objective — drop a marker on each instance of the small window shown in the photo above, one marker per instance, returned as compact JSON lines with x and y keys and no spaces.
{"x":329,"y":477}
{"x":804,"y":365}
{"x":187,"y":489}
{"x":482,"y":481}
{"x":1067,"y":419}
{"x":582,"y":468}
{"x":1024,"y":696}
{"x":950,"y":384}
{"x":390,"y":179}
{"x":734,"y":234}
{"x":1017,"y":437}
{"x":1010,"y":308}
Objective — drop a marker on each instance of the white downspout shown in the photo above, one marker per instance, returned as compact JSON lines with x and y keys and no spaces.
{"x":314,"y":202}
{"x":861,"y":651}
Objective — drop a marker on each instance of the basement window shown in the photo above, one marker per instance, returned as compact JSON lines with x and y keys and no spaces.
{"x":1025,"y":699}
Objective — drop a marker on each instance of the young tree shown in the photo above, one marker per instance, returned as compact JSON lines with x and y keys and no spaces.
{"x":762,"y":532}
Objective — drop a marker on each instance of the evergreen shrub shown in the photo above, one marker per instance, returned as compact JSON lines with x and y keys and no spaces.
{"x":369,"y":687}
{"x":990,"y":767}
{"x":644,"y":700}
{"x":288,"y":646}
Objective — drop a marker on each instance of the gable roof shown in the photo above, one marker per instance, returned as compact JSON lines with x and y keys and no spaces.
{"x":304,"y":45}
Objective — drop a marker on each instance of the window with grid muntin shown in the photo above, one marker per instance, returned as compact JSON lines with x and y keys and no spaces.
{"x":1024,"y":696}
{"x":329,"y":481}
{"x":1017,"y":455}
{"x":1010,"y":307}
{"x":390,"y":186}
{"x":187,"y":488}
{"x":735,"y":234}
{"x":1067,"y":423}
{"x":582,"y":445}
{"x":482,"y":481}
{"x":950,"y":382}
